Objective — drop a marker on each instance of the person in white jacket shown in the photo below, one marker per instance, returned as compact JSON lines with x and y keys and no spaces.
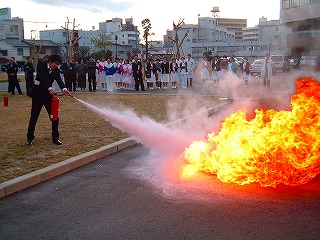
{"x":266,"y":70}
{"x":191,"y":66}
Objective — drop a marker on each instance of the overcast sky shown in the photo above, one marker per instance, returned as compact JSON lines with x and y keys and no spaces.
{"x":161,"y":13}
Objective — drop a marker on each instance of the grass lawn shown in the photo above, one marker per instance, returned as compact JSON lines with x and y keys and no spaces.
{"x":80,"y":129}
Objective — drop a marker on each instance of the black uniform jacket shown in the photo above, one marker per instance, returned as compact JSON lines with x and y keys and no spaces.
{"x":46,"y":77}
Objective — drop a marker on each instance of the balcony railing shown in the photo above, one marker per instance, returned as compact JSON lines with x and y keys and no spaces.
{"x":304,"y":34}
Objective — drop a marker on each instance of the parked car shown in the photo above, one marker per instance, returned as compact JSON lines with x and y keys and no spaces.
{"x":240,"y":59}
{"x":281,"y":62}
{"x":3,"y":68}
{"x":255,"y":67}
{"x":314,"y":61}
{"x":294,"y":63}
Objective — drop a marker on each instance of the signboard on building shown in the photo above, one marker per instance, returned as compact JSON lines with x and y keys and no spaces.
{"x":5,"y":13}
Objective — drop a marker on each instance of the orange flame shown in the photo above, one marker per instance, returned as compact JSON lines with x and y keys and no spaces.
{"x":272,"y":148}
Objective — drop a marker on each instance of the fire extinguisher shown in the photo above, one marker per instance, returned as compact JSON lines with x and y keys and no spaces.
{"x":54,"y":112}
{"x":5,"y":100}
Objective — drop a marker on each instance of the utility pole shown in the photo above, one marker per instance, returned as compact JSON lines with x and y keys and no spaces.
{"x":71,"y":41}
{"x":35,"y":53}
{"x":116,"y":37}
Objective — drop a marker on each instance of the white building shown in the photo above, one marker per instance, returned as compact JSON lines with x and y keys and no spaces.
{"x":13,"y":28}
{"x":11,"y":36}
{"x":124,"y":37}
{"x":208,"y":35}
{"x":251,"y":33}
{"x":121,"y":34}
{"x":59,"y":36}
{"x":202,"y":37}
{"x":14,"y":48}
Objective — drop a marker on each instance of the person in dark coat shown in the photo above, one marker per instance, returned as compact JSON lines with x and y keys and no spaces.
{"x":216,"y":69}
{"x":82,"y":75}
{"x":46,"y":74}
{"x":12,"y":71}
{"x":29,"y":70}
{"x":245,"y":69}
{"x":69,"y":72}
{"x":137,"y":73}
{"x":92,"y":68}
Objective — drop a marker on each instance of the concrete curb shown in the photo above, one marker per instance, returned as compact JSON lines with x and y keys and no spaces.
{"x":28,"y":180}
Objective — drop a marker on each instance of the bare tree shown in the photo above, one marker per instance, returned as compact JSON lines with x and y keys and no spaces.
{"x":35,"y":52}
{"x":71,"y":39}
{"x":176,"y":41}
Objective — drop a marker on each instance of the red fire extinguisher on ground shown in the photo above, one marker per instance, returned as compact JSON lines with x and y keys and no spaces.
{"x":54,"y":112}
{"x":5,"y":100}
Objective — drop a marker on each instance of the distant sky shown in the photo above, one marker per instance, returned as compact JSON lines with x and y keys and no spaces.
{"x":162,"y":13}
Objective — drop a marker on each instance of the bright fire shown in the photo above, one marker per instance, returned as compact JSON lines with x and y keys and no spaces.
{"x":272,"y":148}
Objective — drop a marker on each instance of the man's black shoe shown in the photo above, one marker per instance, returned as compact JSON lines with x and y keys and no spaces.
{"x":57,"y":142}
{"x":29,"y":142}
{"x":21,"y":93}
{"x":143,"y":90}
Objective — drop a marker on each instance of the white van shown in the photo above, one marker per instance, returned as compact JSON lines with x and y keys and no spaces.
{"x":281,"y":62}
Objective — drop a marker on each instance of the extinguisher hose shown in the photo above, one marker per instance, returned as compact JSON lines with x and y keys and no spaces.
{"x":62,"y":94}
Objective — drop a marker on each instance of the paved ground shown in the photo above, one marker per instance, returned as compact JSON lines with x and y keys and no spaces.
{"x":124,"y":196}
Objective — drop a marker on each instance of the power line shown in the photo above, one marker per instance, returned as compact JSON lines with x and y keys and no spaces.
{"x":39,"y":22}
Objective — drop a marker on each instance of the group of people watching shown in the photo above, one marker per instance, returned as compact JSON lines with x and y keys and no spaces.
{"x":222,"y":68}
{"x":128,"y":74}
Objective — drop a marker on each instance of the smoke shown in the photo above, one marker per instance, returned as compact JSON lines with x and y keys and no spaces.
{"x":165,"y":139}
{"x":189,"y":119}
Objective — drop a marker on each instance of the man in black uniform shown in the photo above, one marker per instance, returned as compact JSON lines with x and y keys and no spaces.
{"x":12,"y":71}
{"x":92,"y":67}
{"x":137,"y":73}
{"x":46,"y":74}
{"x":29,"y":69}
{"x":68,"y":72}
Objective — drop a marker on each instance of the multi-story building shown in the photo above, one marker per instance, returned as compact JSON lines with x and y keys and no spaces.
{"x":11,"y":36}
{"x":275,"y":34}
{"x":13,"y":28}
{"x":199,"y":38}
{"x":124,"y":37}
{"x":303,"y":17}
{"x":250,"y":33}
{"x":235,"y":25}
{"x":209,"y":36}
{"x":122,"y":34}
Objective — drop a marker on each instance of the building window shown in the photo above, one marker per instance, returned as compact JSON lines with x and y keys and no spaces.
{"x":43,"y":51}
{"x":54,"y":51}
{"x":296,"y":3}
{"x":4,"y":53}
{"x":20,"y":51}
